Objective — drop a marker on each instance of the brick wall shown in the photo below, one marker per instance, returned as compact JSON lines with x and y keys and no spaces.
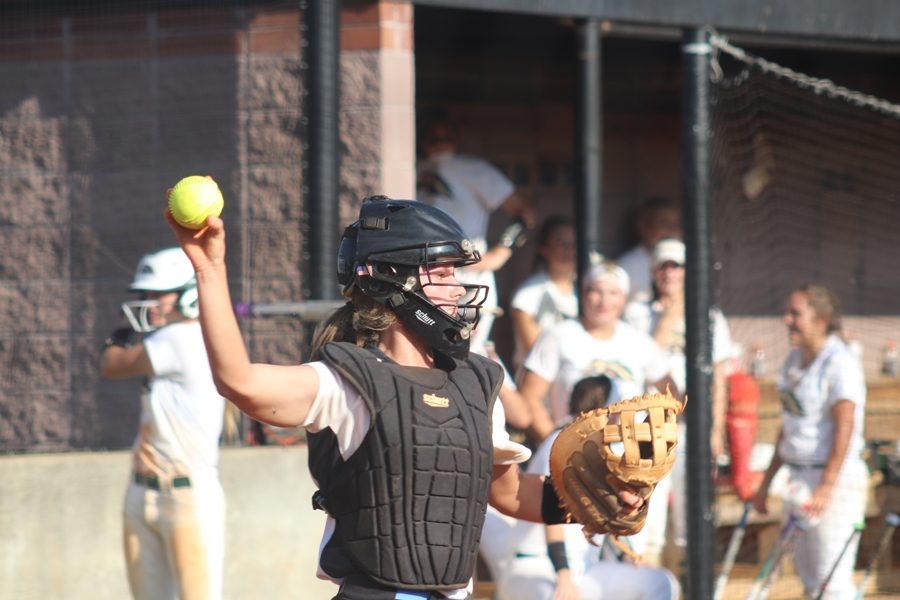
{"x":99,"y":114}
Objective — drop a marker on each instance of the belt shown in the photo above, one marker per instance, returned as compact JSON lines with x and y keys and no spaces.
{"x":153,"y":482}
{"x":356,"y":587}
{"x":810,"y":466}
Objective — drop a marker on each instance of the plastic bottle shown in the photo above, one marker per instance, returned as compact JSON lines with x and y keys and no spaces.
{"x":890,"y":362}
{"x":757,"y":360}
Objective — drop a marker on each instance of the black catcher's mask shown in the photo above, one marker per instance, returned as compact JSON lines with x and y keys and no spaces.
{"x":382,"y":254}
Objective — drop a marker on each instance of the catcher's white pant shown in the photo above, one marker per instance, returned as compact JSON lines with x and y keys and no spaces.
{"x":175,"y":540}
{"x":533,"y":578}
{"x":818,"y":547}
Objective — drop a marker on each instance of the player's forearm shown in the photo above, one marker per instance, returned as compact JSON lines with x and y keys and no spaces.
{"x":843,"y":430}
{"x":533,"y":389}
{"x":774,"y":464}
{"x":492,"y":260}
{"x":526,"y":327}
{"x":228,"y":357}
{"x":517,"y":494}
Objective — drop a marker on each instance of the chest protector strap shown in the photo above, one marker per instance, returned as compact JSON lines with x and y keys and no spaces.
{"x":409,"y":504}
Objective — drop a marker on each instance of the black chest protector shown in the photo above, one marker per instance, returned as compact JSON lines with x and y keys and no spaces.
{"x":409,"y":504}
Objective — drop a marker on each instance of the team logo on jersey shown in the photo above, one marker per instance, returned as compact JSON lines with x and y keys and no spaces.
{"x":435,"y":401}
{"x":615,"y":370}
{"x":790,"y":404}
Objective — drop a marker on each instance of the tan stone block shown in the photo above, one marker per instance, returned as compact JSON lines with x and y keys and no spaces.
{"x":274,"y":82}
{"x":275,"y":194}
{"x":360,"y":79}
{"x":34,"y":306}
{"x":274,"y":138}
{"x":274,"y":249}
{"x":33,"y":252}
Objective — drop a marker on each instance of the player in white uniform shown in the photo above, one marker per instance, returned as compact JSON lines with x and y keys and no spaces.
{"x":470,"y":189}
{"x":823,"y":396}
{"x":663,"y":318}
{"x":599,"y":343}
{"x":406,"y":325}
{"x":548,"y":296}
{"x":174,"y":514}
{"x":556,"y":561}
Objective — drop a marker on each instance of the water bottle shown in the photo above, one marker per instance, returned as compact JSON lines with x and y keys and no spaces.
{"x":757,"y":360}
{"x":889,"y":360}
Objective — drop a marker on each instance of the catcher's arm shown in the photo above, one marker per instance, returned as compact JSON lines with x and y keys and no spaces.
{"x":530,"y":497}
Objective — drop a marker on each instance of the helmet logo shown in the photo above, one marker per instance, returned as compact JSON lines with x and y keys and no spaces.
{"x":423,"y":316}
{"x":435,"y":401}
{"x":146,"y":270}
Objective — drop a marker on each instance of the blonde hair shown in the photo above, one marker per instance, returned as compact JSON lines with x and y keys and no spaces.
{"x":825,"y":304}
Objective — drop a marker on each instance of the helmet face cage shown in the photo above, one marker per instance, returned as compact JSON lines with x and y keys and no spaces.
{"x":389,"y":254}
{"x":137,"y":312}
{"x":468,"y":308}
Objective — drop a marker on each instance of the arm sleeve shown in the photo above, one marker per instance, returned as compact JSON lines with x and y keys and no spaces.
{"x":656,"y":365}
{"x":846,"y":380}
{"x":721,"y":348}
{"x":506,"y":451}
{"x":543,"y":359}
{"x":491,"y":184}
{"x":162,"y":353}
{"x":339,"y":407}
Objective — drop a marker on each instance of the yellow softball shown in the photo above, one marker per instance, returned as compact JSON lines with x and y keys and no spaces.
{"x":193,"y":199}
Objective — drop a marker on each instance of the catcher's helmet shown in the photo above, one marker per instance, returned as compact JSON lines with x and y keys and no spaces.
{"x":167,"y":270}
{"x":382,"y":252}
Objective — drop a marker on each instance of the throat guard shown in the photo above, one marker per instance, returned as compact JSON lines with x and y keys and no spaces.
{"x":409,"y":504}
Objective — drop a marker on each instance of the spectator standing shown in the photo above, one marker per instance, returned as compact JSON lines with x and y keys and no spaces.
{"x":663,"y":318}
{"x":823,"y":395}
{"x":470,"y":189}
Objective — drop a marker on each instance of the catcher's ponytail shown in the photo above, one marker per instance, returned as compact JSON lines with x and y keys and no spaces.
{"x":360,"y":321}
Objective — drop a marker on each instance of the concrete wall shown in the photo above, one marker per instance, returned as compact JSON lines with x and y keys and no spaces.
{"x":60,"y":526}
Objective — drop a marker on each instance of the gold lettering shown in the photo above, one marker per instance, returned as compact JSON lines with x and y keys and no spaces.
{"x":435,"y":401}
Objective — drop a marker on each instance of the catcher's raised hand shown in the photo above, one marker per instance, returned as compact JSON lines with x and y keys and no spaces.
{"x":607,"y":462}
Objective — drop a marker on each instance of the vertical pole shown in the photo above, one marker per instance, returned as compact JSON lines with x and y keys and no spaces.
{"x":695,"y":152}
{"x":589,"y":138}
{"x":320,"y":30}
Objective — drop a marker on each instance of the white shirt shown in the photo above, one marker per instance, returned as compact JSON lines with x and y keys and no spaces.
{"x":567,"y":353}
{"x":339,"y":407}
{"x":540,"y":298}
{"x":638,"y":263}
{"x":530,"y":538}
{"x":181,"y":411}
{"x":646,"y":315}
{"x":807,"y":397}
{"x":473,"y":189}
